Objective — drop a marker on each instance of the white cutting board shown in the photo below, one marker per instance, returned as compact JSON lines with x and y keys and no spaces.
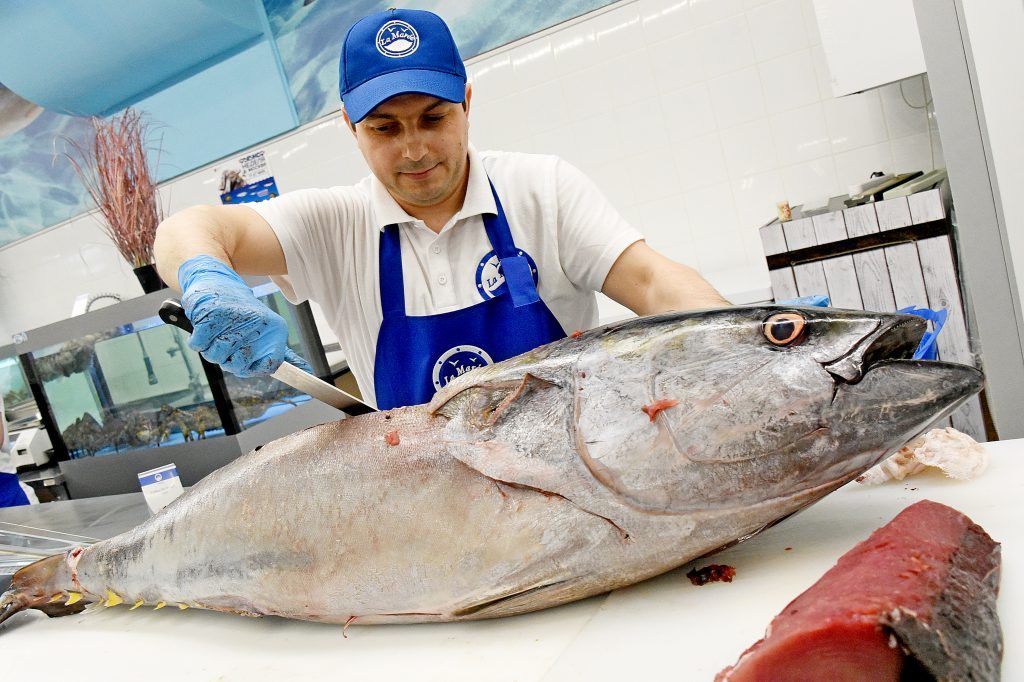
{"x":663,"y":629}
{"x":667,"y":628}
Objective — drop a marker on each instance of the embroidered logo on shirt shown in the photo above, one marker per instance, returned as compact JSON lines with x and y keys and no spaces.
{"x":397,"y":39}
{"x":490,"y":279}
{"x":456,"y":361}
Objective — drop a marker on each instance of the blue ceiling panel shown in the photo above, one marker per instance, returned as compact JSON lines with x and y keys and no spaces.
{"x":95,"y":57}
{"x":232,"y":105}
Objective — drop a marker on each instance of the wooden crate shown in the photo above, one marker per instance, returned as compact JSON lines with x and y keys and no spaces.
{"x":880,"y":256}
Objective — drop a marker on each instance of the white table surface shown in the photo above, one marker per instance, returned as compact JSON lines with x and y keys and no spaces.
{"x":662,"y":629}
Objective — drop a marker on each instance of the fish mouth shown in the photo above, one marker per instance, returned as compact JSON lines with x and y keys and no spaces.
{"x":905,"y":395}
{"x":880,"y":389}
{"x":895,"y":338}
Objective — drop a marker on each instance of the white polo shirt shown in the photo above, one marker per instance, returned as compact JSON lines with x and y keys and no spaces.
{"x":556,"y":215}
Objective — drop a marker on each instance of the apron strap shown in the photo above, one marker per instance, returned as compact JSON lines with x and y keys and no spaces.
{"x":498,"y":230}
{"x":516,"y":269}
{"x":392,"y":284}
{"x":518,"y":277}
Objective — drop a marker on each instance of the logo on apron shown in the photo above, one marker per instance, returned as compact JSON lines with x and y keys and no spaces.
{"x":455,"y":362}
{"x":490,"y":280}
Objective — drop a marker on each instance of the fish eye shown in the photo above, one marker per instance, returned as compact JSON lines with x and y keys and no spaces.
{"x":784,"y":329}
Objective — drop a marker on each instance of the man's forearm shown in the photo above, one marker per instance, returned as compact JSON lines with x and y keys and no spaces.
{"x":680,"y":288}
{"x":648,"y":283}
{"x":188,"y":233}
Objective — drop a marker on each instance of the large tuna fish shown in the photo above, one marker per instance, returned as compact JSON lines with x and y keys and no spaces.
{"x":585,"y":465}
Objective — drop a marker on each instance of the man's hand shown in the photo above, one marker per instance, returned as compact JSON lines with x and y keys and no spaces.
{"x":232,"y":327}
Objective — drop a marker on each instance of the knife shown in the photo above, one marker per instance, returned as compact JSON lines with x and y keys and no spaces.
{"x":172,"y":313}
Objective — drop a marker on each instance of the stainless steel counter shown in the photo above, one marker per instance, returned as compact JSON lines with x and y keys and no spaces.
{"x":94,"y":517}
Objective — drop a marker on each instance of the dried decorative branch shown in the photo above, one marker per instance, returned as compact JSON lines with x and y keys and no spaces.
{"x":115,"y":173}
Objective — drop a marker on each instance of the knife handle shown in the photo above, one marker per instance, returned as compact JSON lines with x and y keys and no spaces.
{"x":172,"y":313}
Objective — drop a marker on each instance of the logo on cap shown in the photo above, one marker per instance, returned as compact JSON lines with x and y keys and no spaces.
{"x":397,"y":39}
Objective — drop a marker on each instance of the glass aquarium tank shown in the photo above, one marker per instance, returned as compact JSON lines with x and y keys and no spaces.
{"x":257,"y":399}
{"x":137,"y":385}
{"x":19,"y":404}
{"x":13,"y":384}
{"x":118,"y":379}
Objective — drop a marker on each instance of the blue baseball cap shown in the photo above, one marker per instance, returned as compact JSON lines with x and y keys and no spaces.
{"x":395,"y":52}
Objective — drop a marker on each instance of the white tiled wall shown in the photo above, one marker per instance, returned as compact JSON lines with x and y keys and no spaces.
{"x":694,"y":116}
{"x":994,"y":30}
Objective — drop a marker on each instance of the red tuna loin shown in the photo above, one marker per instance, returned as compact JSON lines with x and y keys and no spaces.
{"x":915,"y":601}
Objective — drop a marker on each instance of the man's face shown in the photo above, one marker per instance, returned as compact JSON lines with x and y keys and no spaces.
{"x":416,"y":145}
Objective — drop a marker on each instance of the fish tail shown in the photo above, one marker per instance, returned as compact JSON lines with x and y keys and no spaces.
{"x":45,"y":585}
{"x":10,"y":603}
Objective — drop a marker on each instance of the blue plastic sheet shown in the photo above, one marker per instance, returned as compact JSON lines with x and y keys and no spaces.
{"x":818,"y":300}
{"x":927,"y":350}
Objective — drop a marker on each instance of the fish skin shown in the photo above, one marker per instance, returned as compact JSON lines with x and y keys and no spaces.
{"x":535,"y":481}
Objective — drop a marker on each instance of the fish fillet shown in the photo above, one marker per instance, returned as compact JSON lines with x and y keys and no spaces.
{"x":916,"y":600}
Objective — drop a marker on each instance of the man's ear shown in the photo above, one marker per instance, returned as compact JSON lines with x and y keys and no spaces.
{"x":351,"y":125}
{"x":469,"y":95}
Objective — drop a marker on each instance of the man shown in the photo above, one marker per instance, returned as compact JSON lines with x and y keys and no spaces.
{"x":405,"y":264}
{"x":13,"y":492}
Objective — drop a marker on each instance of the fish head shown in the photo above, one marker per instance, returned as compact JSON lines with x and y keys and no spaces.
{"x":732,"y":407}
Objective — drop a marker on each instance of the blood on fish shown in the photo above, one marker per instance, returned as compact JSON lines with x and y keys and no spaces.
{"x":391,"y":438}
{"x":576,"y":334}
{"x":712,"y":573}
{"x":657,"y":406}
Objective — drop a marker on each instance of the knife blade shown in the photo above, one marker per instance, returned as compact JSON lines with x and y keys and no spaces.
{"x":172,"y":313}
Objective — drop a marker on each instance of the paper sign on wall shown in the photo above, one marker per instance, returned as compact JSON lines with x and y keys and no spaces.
{"x":247,"y":179}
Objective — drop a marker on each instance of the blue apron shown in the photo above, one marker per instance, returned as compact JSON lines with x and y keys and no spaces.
{"x":417,"y":355}
{"x":11,"y":494}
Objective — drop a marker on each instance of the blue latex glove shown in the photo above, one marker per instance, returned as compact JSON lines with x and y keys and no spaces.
{"x":232,"y":327}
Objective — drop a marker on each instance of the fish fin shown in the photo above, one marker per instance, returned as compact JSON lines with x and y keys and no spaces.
{"x":230,"y":604}
{"x":92,"y":607}
{"x":113,"y":599}
{"x":138,"y":603}
{"x":524,"y":601}
{"x":57,"y":609}
{"x":73,"y":597}
{"x":505,"y":465}
{"x":486,"y":403}
{"x":14,"y":601}
{"x":159,"y":605}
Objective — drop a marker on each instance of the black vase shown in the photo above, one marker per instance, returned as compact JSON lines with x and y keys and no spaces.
{"x":148,"y":278}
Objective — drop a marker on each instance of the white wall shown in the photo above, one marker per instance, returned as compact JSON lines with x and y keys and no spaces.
{"x":694,"y":116}
{"x":994,"y":28}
